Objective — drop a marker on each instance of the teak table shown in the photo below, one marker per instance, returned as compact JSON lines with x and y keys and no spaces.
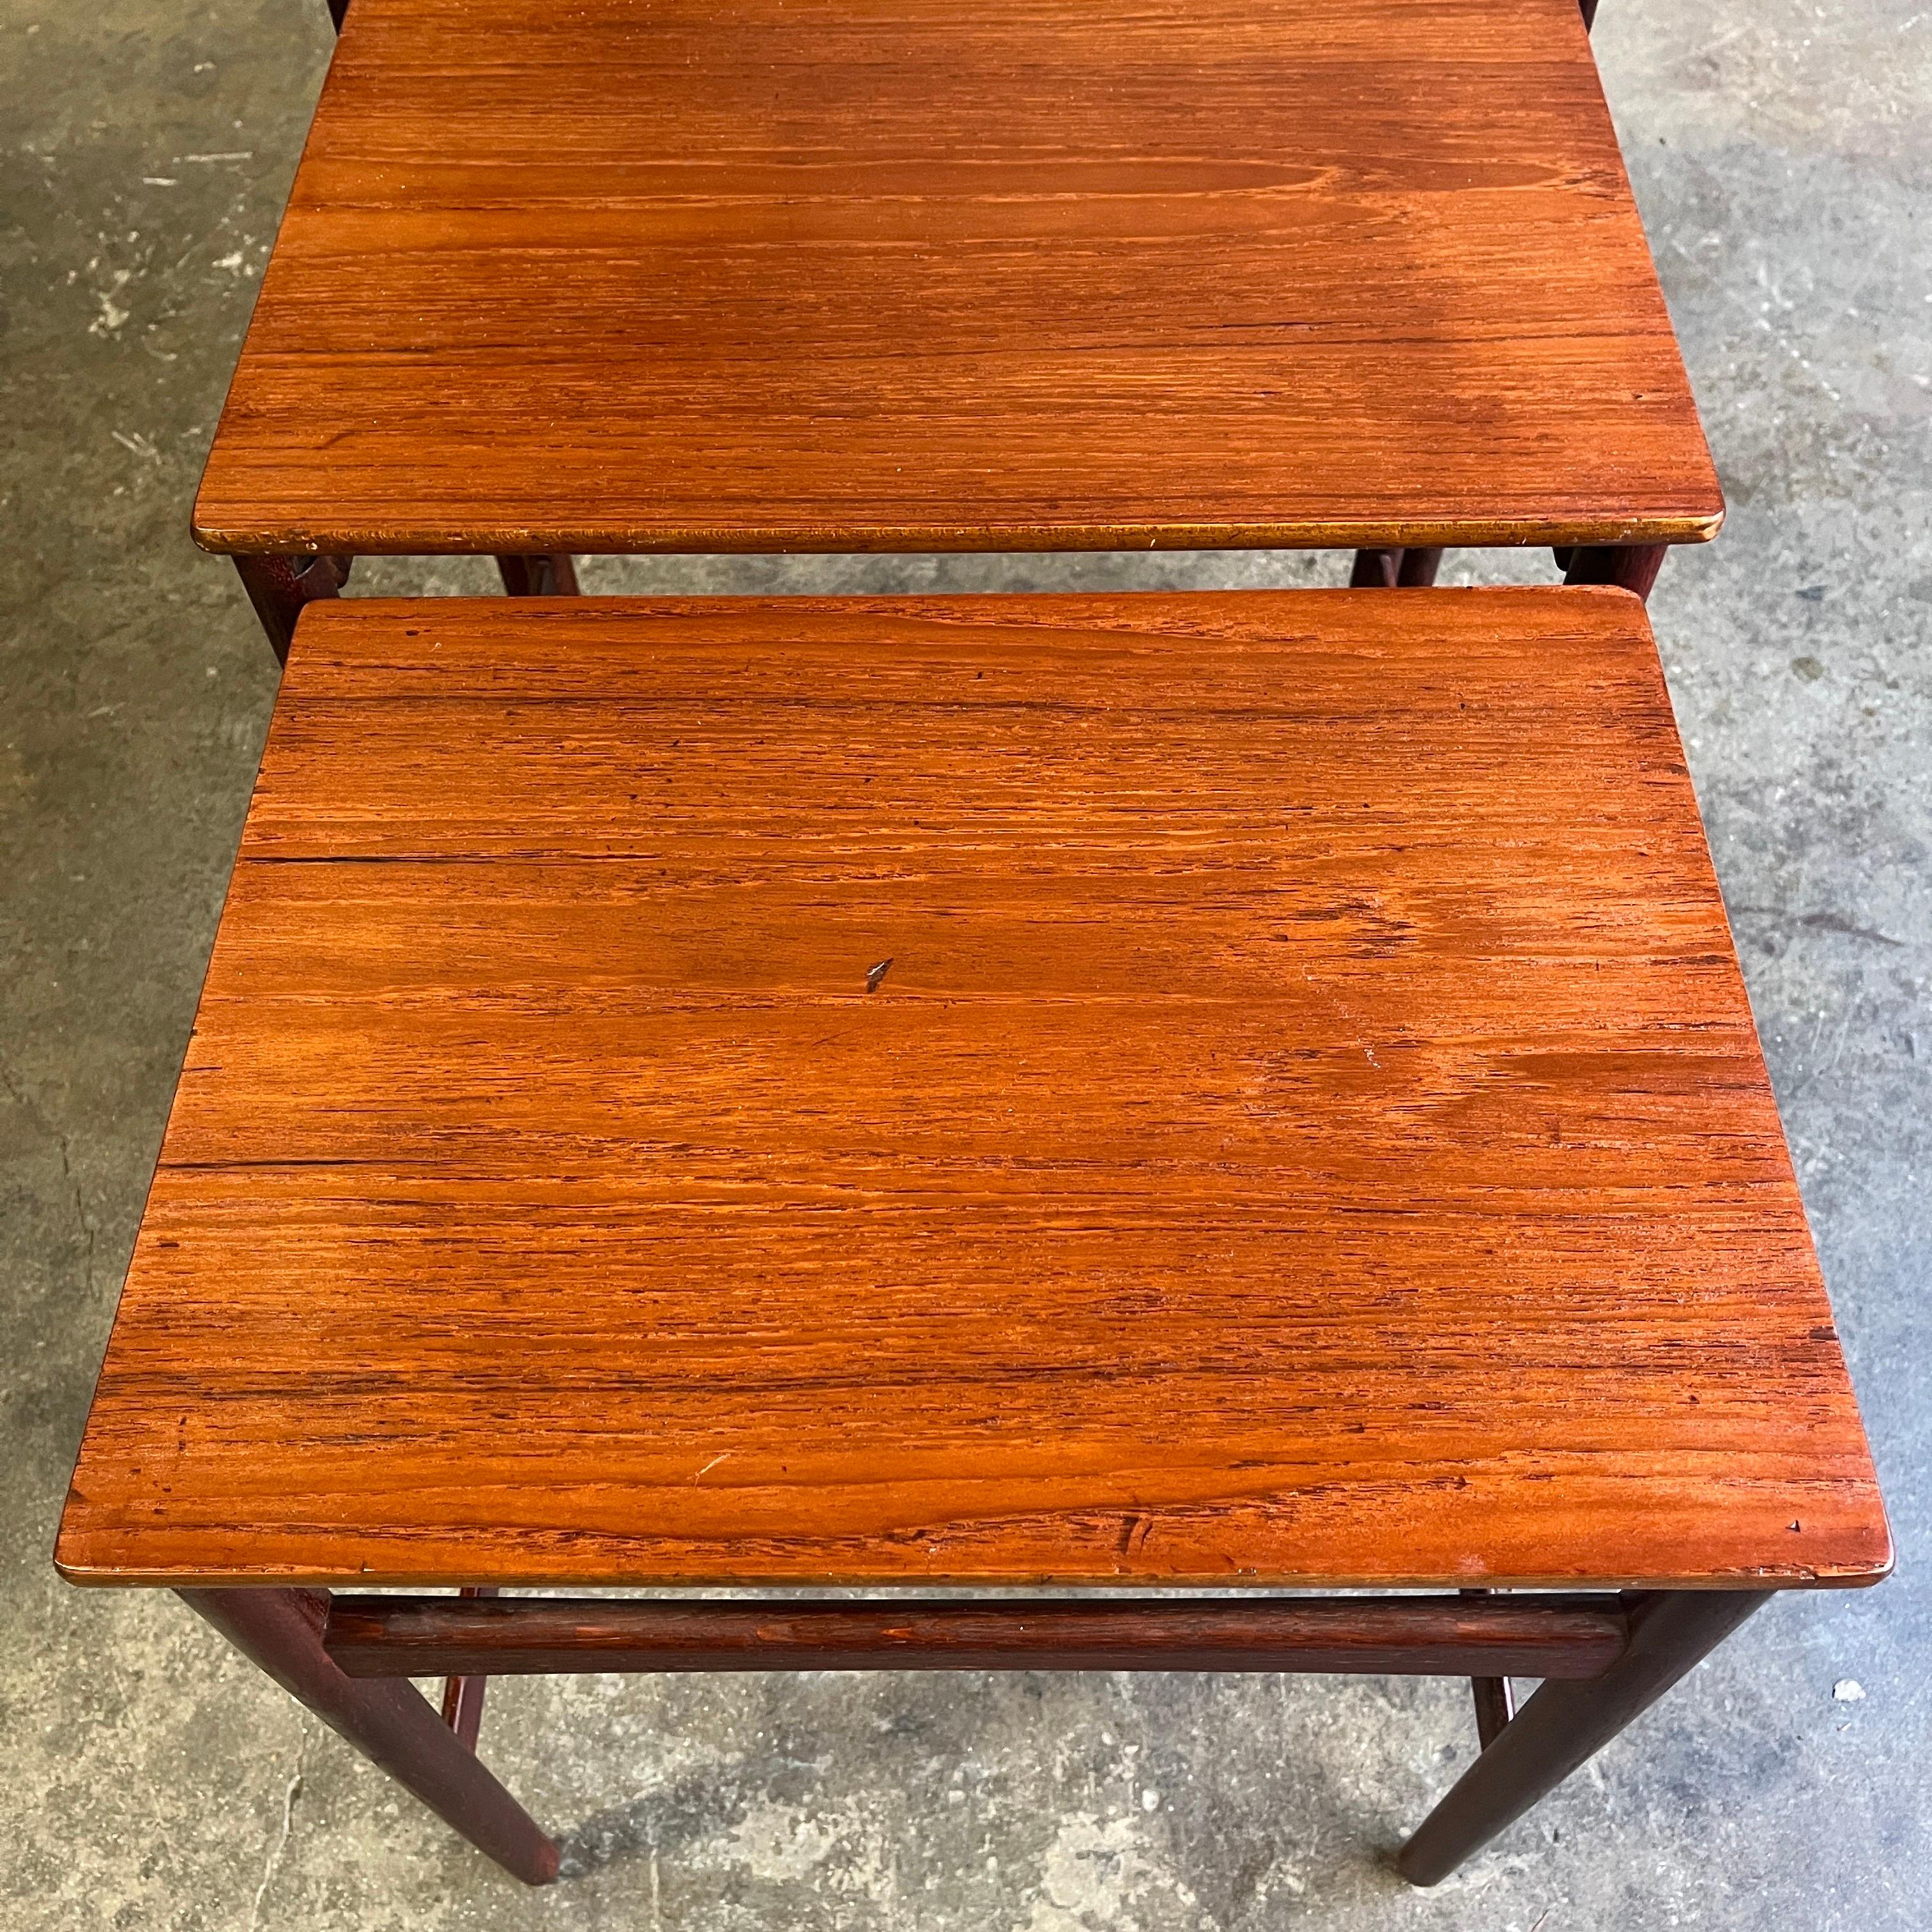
{"x":861,"y":275}
{"x":1221,"y":1089}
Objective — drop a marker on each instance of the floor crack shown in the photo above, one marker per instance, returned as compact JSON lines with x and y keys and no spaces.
{"x":281,"y":1844}
{"x":63,"y":1146}
{"x":79,"y":1207}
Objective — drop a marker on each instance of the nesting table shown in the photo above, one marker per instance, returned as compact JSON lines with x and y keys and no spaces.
{"x":1089,"y":1092}
{"x":851,"y":275}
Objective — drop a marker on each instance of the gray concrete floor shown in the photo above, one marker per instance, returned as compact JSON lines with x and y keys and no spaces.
{"x":1784,"y":155}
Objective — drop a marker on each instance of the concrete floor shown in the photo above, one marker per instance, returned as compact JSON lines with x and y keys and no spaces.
{"x":1783,"y":156}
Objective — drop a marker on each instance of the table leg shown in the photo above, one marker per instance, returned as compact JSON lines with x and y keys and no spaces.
{"x":1495,"y":1705}
{"x":1631,"y":566}
{"x":1495,"y":1701}
{"x":278,"y":587}
{"x":386,"y":1719}
{"x":538,"y":576}
{"x":1384,"y":569}
{"x":462,"y":1696}
{"x":1568,"y":1721}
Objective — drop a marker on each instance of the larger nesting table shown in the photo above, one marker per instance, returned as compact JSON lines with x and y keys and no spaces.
{"x":1218,"y":1090}
{"x":852,"y":275}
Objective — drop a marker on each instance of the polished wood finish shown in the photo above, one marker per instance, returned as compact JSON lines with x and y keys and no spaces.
{"x":1565,"y":1724}
{"x":389,"y":1722}
{"x":414,"y":1636}
{"x":1311,"y":1132}
{"x":842,"y":275}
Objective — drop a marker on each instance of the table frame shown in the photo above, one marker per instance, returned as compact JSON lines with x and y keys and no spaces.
{"x":1604,"y":1660}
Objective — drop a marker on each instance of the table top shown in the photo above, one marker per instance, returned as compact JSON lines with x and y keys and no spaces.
{"x":1212,"y":1089}
{"x":663,"y":275}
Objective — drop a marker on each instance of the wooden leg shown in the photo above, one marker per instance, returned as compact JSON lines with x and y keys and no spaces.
{"x":1630,"y":566}
{"x":278,"y":587}
{"x":462,"y":1696}
{"x":1495,"y":1705}
{"x":538,"y":576}
{"x":1568,"y":1720}
{"x":1383,"y":569}
{"x":1496,"y":1702}
{"x":386,"y":1719}
{"x":463,"y":1708}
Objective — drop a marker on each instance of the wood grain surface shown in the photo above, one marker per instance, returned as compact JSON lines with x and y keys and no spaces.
{"x":890,"y":274}
{"x":1216,"y":1088}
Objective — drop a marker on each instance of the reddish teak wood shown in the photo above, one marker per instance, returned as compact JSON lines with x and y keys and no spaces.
{"x":414,"y":1636}
{"x":1311,"y":1132}
{"x":652,"y":275}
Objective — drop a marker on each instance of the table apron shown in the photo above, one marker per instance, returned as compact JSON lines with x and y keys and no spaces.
{"x":1567,"y":1636}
